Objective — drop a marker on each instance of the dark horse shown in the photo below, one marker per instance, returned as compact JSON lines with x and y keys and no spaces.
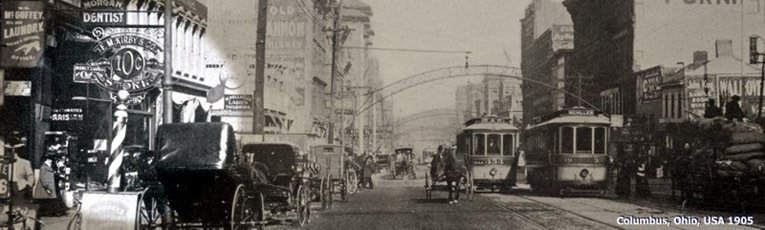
{"x":444,"y":167}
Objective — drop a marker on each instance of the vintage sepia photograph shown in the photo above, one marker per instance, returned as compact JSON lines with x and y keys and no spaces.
{"x":382,"y":114}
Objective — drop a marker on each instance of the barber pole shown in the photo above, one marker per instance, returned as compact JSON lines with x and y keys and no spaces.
{"x":119,"y":132}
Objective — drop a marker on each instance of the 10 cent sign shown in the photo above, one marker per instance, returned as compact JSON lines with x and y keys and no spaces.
{"x":129,"y":59}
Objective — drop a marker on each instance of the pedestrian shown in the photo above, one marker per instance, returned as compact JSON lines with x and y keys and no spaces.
{"x":712,"y":110}
{"x":641,"y":180}
{"x":624,"y":174}
{"x":23,"y":175}
{"x":733,"y":109}
{"x":369,"y":169}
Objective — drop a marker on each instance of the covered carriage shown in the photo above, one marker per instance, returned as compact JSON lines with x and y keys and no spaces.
{"x":286,"y":179}
{"x":197,"y":179}
{"x":338,"y":177}
{"x":403,"y":163}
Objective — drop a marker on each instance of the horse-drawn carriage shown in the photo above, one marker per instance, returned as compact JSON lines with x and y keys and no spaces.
{"x":403,"y":163}
{"x":446,"y":167}
{"x":198,"y":179}
{"x":337,"y":176}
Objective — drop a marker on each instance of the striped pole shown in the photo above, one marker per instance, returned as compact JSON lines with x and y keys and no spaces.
{"x":119,"y":131}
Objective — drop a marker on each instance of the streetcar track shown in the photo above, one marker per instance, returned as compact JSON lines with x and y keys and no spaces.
{"x":517,"y":214}
{"x":574,"y":213}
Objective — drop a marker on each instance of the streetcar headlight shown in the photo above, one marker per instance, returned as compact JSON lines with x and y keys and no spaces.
{"x":493,"y":172}
{"x":584,"y":173}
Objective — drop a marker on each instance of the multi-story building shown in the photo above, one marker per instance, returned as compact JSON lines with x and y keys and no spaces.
{"x":615,"y":38}
{"x":61,"y":82}
{"x":495,"y":95}
{"x":546,"y":35}
{"x":297,"y":81}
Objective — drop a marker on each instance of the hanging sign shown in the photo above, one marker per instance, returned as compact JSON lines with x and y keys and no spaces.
{"x":104,"y":12}
{"x":129,"y":59}
{"x":23,"y":26}
{"x":237,"y":102}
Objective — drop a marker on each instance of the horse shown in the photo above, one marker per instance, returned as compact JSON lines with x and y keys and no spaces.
{"x":445,"y":167}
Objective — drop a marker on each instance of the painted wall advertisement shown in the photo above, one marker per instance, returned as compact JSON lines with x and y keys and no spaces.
{"x":22,"y":40}
{"x":286,"y":28}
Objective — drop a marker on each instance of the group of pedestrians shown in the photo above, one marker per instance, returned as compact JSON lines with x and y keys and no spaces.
{"x":365,"y":167}
{"x":632,"y":165}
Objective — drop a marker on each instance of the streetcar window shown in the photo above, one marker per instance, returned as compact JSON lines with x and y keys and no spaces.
{"x":600,"y":140}
{"x":494,"y":142}
{"x":567,"y":140}
{"x":584,"y":140}
{"x":479,"y":143}
{"x":507,"y":144}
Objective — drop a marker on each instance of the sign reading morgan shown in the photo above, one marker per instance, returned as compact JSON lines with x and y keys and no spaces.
{"x":129,"y":59}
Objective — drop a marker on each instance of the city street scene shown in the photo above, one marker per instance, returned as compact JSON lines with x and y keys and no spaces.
{"x":382,"y":114}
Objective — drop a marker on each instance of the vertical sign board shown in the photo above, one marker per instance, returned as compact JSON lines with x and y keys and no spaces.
{"x":23,"y":26}
{"x":4,"y":178}
{"x":109,"y":211}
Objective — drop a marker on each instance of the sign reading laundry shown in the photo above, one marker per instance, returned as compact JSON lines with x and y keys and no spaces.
{"x":23,"y":33}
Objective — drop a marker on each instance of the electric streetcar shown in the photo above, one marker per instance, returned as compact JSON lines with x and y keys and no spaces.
{"x":567,"y":152}
{"x":488,"y":144}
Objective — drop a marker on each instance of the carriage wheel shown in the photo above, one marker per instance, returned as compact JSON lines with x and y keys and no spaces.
{"x":76,"y":222}
{"x":331,"y":189}
{"x":353,"y":183}
{"x":242,"y":215}
{"x":427,"y":186}
{"x":344,"y":190}
{"x":470,"y":187}
{"x":324,"y":192}
{"x":261,"y":215}
{"x":149,"y":212}
{"x":303,"y":206}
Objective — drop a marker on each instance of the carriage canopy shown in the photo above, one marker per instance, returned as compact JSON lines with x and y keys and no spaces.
{"x":195,"y":146}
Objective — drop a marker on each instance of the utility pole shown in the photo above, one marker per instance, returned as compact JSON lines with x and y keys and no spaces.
{"x":335,"y":47}
{"x":259,"y":118}
{"x":374,"y":122}
{"x":754,"y":57}
{"x":167,"y":82}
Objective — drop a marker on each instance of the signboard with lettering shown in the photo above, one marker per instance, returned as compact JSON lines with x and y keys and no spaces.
{"x":129,"y":59}
{"x":286,"y":28}
{"x":17,"y":88}
{"x":562,"y":36}
{"x":109,"y":211}
{"x":23,"y":36}
{"x":648,"y":85}
{"x":237,"y":102}
{"x":104,"y":12}
{"x":4,"y":178}
{"x":66,"y":114}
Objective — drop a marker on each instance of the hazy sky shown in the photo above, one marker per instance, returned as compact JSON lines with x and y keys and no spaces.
{"x":488,"y":28}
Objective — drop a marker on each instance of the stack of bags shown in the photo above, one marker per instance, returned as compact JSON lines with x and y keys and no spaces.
{"x":742,"y":143}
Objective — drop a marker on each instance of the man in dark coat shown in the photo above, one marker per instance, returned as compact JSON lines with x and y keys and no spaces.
{"x":712,"y":110}
{"x":369,"y":168}
{"x":733,"y":110}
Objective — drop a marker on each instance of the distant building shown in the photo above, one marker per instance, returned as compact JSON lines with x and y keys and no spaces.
{"x":546,"y":37}
{"x":616,"y":38}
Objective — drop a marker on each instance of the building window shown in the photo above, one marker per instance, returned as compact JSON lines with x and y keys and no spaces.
{"x":665,"y":107}
{"x":672,"y":106}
